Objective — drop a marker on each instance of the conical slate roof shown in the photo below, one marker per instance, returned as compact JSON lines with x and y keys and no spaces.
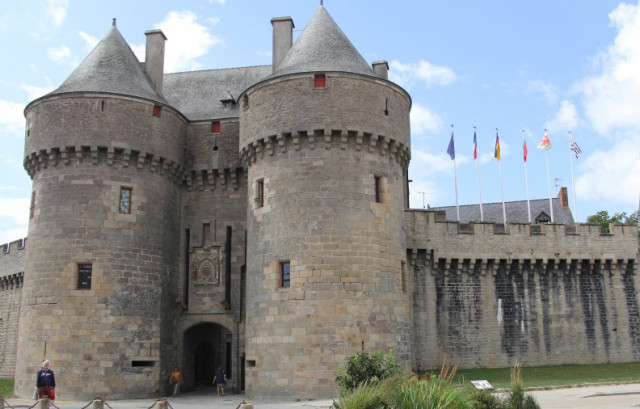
{"x":111,"y":67}
{"x":322,"y":46}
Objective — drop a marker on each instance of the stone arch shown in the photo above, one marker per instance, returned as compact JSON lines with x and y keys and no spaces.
{"x":206,"y":345}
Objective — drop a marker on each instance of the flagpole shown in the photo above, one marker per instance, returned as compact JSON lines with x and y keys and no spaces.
{"x":549,"y":182}
{"x":455,"y":177}
{"x":526,"y":174}
{"x":504,"y":211}
{"x":573,"y":185}
{"x":475,"y":147}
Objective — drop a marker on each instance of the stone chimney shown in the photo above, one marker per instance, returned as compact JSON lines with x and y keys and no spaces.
{"x":154,"y":58}
{"x":564,"y":197}
{"x":282,"y":38}
{"x":381,"y":68}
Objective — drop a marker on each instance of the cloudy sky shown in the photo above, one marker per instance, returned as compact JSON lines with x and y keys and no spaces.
{"x":518,"y":67}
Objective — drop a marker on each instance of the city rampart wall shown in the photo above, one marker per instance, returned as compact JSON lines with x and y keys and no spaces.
{"x":12,"y":260}
{"x":486,"y":295}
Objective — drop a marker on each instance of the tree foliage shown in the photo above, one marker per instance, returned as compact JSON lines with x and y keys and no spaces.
{"x":605,"y":220}
{"x":363,"y":368}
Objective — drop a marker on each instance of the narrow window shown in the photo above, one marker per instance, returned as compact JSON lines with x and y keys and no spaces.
{"x":319,"y":81}
{"x":32,"y":208}
{"x":84,"y":276}
{"x":215,"y":127}
{"x":102,"y":105}
{"x":157,"y":109}
{"x":260,"y":193}
{"x":386,"y":106}
{"x":125,"y":200}
{"x":245,"y":101}
{"x":285,"y":271}
{"x":377,"y":180}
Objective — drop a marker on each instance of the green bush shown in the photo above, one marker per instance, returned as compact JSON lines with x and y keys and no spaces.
{"x":365,"y":396}
{"x":364,"y":368}
{"x":483,"y":399}
{"x":434,"y":393}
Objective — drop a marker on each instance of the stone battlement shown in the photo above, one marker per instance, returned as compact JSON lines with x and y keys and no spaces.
{"x":15,"y":245}
{"x":426,"y":232}
{"x":326,"y":139}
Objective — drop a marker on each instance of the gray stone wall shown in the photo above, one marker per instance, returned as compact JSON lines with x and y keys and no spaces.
{"x":548,"y":294}
{"x":320,"y":214}
{"x":12,"y":260}
{"x":118,"y":338}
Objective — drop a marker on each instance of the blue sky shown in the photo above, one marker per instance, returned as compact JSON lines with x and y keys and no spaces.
{"x":517,"y":66}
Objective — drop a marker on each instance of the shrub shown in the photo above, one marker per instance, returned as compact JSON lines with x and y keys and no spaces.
{"x":365,"y":396}
{"x":364,"y":368}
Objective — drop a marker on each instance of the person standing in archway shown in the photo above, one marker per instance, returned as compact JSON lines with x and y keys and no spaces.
{"x":220,"y":380}
{"x":176,"y":380}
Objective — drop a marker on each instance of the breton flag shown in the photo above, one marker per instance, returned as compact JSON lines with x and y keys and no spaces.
{"x":475,"y":146}
{"x":575,"y":148}
{"x":524,"y":150}
{"x":545,"y":143}
{"x":451,"y":150}
{"x":496,"y":152}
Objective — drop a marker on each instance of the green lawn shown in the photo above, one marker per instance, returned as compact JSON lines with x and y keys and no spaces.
{"x":556,"y":375}
{"x":6,"y":387}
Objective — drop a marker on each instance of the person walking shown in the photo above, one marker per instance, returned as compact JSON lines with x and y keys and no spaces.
{"x":219,"y":380}
{"x":46,"y":381}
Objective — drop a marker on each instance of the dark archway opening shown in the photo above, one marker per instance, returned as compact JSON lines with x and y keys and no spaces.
{"x":205,"y":347}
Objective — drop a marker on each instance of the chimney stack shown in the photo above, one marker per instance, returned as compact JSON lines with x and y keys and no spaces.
{"x":381,"y":68}
{"x":154,"y":58}
{"x":282,"y":38}
{"x":564,"y":197}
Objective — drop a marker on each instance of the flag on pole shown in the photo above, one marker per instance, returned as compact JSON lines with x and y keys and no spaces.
{"x":524,"y":150}
{"x":575,"y":148}
{"x":545,"y":143}
{"x":496,"y":152}
{"x":475,"y":146}
{"x":451,"y":150}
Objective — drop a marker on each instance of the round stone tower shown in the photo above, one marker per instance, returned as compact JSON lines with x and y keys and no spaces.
{"x":326,"y":142}
{"x":105,"y":153}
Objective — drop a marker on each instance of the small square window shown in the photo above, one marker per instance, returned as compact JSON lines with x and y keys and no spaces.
{"x":125,"y":200}
{"x":285,"y":271}
{"x":157,"y":109}
{"x":319,"y":81}
{"x":215,"y":127}
{"x":84,"y":276}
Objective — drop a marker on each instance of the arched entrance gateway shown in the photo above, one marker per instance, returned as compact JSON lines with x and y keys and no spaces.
{"x":206,"y":346}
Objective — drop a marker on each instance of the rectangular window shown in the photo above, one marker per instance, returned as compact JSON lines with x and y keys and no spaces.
{"x":125,"y":200}
{"x":32,"y":208}
{"x":285,"y":270}
{"x":245,"y":102}
{"x":215,"y":127}
{"x":260,"y":193}
{"x":157,"y":109}
{"x":84,"y":276}
{"x":378,"y":188}
{"x":319,"y":81}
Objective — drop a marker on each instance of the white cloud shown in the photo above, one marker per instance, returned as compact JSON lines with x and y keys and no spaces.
{"x":566,"y":118}
{"x":218,"y":1}
{"x":36,"y":92}
{"x":60,"y":54}
{"x":547,"y":91}
{"x":423,"y":120}
{"x":11,"y":117}
{"x":90,"y":41}
{"x":14,"y":218}
{"x":187,"y":40}
{"x":612,"y":175}
{"x":57,"y":10}
{"x":611,"y":99}
{"x":422,"y":71}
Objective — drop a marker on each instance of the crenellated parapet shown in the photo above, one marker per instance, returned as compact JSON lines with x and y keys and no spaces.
{"x":214,"y":179}
{"x":98,"y":155}
{"x":326,"y":139}
{"x":484,"y":247}
{"x":11,"y":281}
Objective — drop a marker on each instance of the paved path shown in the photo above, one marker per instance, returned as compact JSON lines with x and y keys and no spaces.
{"x":625,"y":396}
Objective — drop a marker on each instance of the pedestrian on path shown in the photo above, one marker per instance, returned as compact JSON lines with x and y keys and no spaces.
{"x":220,"y":380}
